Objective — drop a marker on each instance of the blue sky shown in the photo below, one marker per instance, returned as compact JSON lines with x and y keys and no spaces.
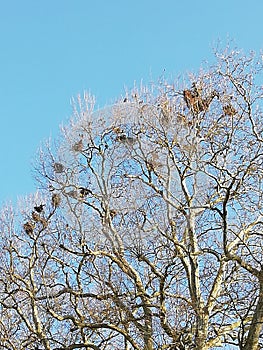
{"x":54,"y":49}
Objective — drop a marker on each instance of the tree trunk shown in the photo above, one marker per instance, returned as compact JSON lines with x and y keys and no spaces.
{"x":256,"y":324}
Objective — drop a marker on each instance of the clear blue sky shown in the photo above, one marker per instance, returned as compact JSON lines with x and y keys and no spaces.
{"x":54,"y":49}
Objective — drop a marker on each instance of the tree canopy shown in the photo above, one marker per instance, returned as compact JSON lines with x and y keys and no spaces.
{"x":146,"y":232}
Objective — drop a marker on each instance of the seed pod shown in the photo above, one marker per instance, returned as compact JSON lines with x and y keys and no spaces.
{"x":29,"y":227}
{"x":35,"y":216}
{"x":56,"y":199}
{"x":58,"y":167}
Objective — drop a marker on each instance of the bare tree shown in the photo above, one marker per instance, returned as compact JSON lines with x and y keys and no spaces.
{"x":148,"y":231}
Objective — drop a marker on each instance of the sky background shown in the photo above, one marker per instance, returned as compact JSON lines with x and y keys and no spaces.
{"x":54,"y":49}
